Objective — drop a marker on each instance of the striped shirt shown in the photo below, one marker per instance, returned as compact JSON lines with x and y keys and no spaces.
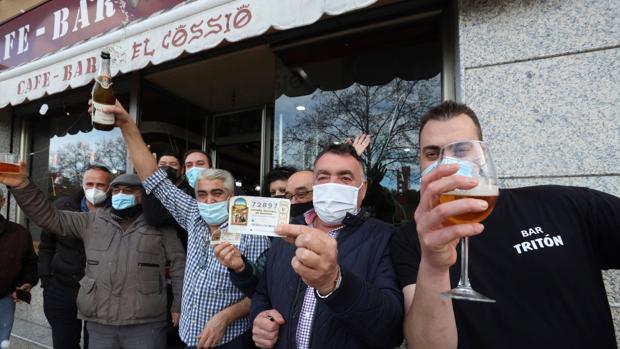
{"x":306,"y":316}
{"x":207,"y":288}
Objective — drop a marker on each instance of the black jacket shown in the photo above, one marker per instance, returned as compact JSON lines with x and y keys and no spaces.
{"x":62,"y":258}
{"x":156,"y":214}
{"x":18,"y":261}
{"x":365,"y":312}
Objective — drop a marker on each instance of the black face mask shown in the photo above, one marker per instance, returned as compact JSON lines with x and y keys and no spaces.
{"x":172,"y":173}
{"x":279,"y":196}
{"x":124,"y":214}
{"x":299,"y":209}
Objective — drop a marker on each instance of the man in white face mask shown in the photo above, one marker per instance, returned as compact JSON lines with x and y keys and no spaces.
{"x":330,"y":281}
{"x":62,"y":260}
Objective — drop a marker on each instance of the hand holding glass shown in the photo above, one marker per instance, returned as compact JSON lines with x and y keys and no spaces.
{"x":474,"y":160}
{"x":9,"y":163}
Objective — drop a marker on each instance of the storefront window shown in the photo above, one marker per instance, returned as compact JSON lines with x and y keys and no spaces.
{"x":64,"y":143}
{"x":377,"y":83}
{"x":70,"y":155}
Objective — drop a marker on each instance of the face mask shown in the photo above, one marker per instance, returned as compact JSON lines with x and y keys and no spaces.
{"x":333,"y":201}
{"x":95,"y":196}
{"x":215,"y":213}
{"x":172,"y":173}
{"x":279,"y":197}
{"x":122,"y":201}
{"x":428,"y":170}
{"x":192,"y":175}
{"x":465,"y":167}
{"x":299,"y":209}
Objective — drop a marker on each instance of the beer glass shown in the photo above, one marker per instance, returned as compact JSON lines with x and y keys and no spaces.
{"x":474,"y":160}
{"x":8,"y":163}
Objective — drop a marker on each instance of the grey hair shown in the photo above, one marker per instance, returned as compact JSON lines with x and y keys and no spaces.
{"x":216,"y":173}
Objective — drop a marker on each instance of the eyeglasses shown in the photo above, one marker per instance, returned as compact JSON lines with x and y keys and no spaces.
{"x":299,"y":193}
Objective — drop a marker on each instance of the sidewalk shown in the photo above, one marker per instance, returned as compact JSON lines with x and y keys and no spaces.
{"x":30,"y":329}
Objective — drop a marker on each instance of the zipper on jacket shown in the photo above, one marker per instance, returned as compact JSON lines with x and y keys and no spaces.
{"x":292,"y":330}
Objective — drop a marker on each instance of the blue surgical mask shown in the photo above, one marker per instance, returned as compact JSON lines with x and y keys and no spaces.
{"x":122,"y":201}
{"x":215,"y":213}
{"x":192,"y":175}
{"x":428,"y":170}
{"x":465,"y":167}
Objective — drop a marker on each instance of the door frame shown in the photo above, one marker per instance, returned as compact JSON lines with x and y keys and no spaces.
{"x":265,"y":137}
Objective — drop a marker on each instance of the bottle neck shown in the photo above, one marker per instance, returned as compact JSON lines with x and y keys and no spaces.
{"x":104,"y":68}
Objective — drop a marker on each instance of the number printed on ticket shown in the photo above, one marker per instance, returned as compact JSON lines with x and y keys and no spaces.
{"x":257,"y":215}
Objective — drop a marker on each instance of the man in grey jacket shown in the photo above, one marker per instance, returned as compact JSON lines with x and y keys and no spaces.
{"x":123,"y":294}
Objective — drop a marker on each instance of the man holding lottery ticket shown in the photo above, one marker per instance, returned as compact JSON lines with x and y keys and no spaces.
{"x":329,"y":283}
{"x":214,"y":313}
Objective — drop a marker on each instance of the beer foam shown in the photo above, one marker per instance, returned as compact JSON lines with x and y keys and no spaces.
{"x":482,"y":189}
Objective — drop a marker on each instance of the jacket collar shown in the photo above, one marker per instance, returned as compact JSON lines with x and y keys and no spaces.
{"x":107,"y":215}
{"x":350,"y":220}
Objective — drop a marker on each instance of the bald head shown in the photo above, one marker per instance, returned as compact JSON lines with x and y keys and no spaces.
{"x":299,"y":187}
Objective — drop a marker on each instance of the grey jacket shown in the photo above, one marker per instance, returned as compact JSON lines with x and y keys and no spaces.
{"x":124,"y":283}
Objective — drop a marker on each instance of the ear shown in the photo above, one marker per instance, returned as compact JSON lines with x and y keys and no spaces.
{"x":362,"y":193}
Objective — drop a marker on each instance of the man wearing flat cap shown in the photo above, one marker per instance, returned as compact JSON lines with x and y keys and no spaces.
{"x":123,"y":292}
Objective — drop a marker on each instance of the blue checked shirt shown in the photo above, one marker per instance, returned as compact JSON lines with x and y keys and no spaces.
{"x":207,"y":288}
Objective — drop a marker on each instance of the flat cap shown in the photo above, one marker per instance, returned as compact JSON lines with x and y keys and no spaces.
{"x":127,"y":179}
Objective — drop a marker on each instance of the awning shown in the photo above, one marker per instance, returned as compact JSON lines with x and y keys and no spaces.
{"x":191,"y":27}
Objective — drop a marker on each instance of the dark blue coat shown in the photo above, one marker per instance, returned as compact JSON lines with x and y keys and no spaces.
{"x":365,"y":312}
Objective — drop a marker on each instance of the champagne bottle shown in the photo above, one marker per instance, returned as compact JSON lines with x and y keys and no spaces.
{"x":103,"y":95}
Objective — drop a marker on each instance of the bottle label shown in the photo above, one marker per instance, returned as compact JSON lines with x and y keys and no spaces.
{"x":105,"y":83}
{"x":100,"y":117}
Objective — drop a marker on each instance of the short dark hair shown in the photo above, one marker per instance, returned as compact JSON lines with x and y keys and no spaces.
{"x":169,"y":153}
{"x":342,"y":149}
{"x":279,"y":173}
{"x":446,"y":111}
{"x":98,"y":167}
{"x":191,"y":151}
{"x":276,"y":174}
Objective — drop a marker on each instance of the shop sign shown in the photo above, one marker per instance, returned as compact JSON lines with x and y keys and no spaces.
{"x":233,"y":21}
{"x":62,"y":23}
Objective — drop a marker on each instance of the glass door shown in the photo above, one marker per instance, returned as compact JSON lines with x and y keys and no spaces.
{"x":236,"y":147}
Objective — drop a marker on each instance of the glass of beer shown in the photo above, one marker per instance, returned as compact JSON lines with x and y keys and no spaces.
{"x":8,"y":163}
{"x":474,"y":160}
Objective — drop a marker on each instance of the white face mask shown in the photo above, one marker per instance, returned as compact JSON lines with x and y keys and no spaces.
{"x":333,"y":201}
{"x":95,"y":196}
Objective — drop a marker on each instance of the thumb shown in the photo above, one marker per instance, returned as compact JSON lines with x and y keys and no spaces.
{"x":277,"y":317}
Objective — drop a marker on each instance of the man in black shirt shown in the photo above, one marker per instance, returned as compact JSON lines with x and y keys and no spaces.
{"x":540,"y":256}
{"x":154,"y":212}
{"x":157,"y":215}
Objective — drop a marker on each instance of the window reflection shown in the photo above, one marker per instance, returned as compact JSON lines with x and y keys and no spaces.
{"x":366,"y":84}
{"x":70,"y":155}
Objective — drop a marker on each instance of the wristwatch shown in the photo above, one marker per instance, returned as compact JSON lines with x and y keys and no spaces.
{"x":338,"y":282}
